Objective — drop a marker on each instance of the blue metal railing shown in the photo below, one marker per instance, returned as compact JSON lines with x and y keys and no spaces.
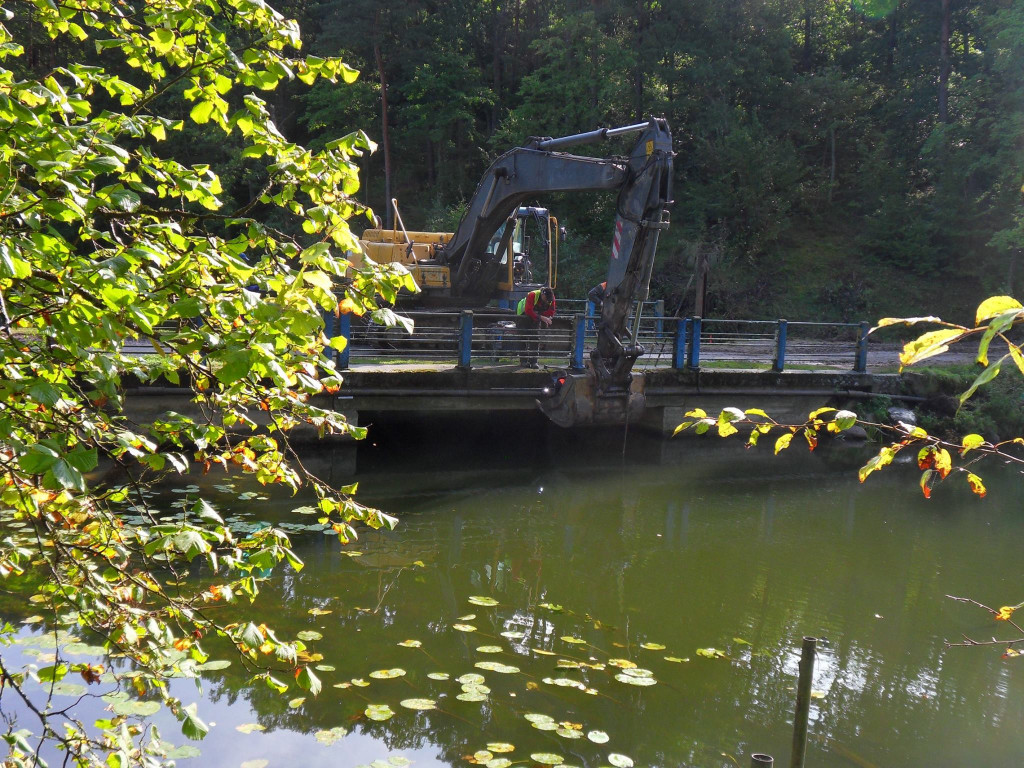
{"x":485,"y":337}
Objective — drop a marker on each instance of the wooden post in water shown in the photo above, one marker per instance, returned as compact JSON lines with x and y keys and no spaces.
{"x":758,"y":760}
{"x":803,"y":702}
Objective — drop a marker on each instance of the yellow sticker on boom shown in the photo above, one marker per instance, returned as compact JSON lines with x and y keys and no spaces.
{"x":650,"y":148}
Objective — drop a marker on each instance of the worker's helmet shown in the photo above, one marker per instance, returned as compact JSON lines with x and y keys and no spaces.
{"x":547,"y":294}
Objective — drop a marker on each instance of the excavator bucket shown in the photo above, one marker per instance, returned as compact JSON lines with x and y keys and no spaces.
{"x":573,"y":400}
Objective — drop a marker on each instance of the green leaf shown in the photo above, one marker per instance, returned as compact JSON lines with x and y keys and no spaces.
{"x":984,"y":378}
{"x":307,"y":681}
{"x":201,"y":111}
{"x":191,"y":726}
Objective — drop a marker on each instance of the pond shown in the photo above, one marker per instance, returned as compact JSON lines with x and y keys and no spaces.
{"x":559,"y":599}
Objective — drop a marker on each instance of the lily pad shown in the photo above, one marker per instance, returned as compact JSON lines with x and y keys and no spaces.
{"x":331,"y":735}
{"x":542,"y":652}
{"x":464,"y":627}
{"x":621,"y":663}
{"x":490,"y":649}
{"x":136,"y":707}
{"x":419,"y":704}
{"x":184,"y":752}
{"x":64,"y":688}
{"x":513,"y":635}
{"x":500,"y":747}
{"x":488,"y":602}
{"x":259,"y":763}
{"x":296,"y":702}
{"x":553,"y":607}
{"x":496,"y":666}
{"x":598,"y":737}
{"x":652,"y":646}
{"x":359,"y":682}
{"x":470,"y":678}
{"x":569,"y":733}
{"x":379,"y":712}
{"x":410,"y":644}
{"x":546,"y":725}
{"x":482,"y":756}
{"x":676,"y":659}
{"x":547,"y":758}
{"x":438,"y":675}
{"x":620,"y":761}
{"x":250,"y":728}
{"x":573,"y":640}
{"x":638,"y":681}
{"x":386,"y":674}
{"x":472,"y":696}
{"x":309,"y":635}
{"x":467,"y":617}
{"x":319,"y":611}
{"x":536,"y":717}
{"x":324,"y":668}
{"x":498,"y":762}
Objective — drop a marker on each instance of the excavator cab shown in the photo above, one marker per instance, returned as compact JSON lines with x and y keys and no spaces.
{"x":526,"y":247}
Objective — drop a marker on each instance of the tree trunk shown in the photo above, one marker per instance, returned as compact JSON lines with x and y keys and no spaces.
{"x":385,"y":143}
{"x":944,"y":65}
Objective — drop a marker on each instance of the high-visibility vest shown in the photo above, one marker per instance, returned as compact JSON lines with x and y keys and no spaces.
{"x":522,"y":302}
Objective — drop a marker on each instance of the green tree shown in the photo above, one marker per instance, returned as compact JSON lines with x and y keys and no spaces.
{"x":109,"y":241}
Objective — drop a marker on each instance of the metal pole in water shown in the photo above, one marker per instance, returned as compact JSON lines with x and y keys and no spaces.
{"x":803,"y":702}
{"x":757,"y":760}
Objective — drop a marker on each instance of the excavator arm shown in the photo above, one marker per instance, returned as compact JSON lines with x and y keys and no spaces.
{"x":643,"y":179}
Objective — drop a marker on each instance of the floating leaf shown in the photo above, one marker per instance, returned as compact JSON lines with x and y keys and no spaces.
{"x":653,"y":646}
{"x":495,"y":666}
{"x":622,"y":677}
{"x":598,"y":737}
{"x":711,"y":653}
{"x":464,"y":627}
{"x":467,"y":617}
{"x":250,"y":727}
{"x":470,"y":678}
{"x":546,"y":725}
{"x":261,"y":763}
{"x":419,"y":704}
{"x":620,"y":761}
{"x":542,"y":652}
{"x":817,"y":694}
{"x":534,"y":717}
{"x":675,"y":659}
{"x":386,"y":674}
{"x":564,"y":682}
{"x":324,"y":668}
{"x":410,"y":644}
{"x":573,"y":640}
{"x":547,"y":758}
{"x":359,"y":682}
{"x":569,"y":733}
{"x":319,"y":611}
{"x":498,"y":762}
{"x":135,"y":707}
{"x":484,"y":601}
{"x":481,"y":756}
{"x":475,"y":688}
{"x":438,"y":675}
{"x":554,"y":607}
{"x":472,"y":696}
{"x":296,"y":702}
{"x":512,"y":635}
{"x":622,"y":663}
{"x":490,"y":649}
{"x":379,"y":712}
{"x":32,"y":620}
{"x":64,"y":688}
{"x":331,"y":735}
{"x":188,"y":751}
{"x":500,"y":747}
{"x":309,"y":635}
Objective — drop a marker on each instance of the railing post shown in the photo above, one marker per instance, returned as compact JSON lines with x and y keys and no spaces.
{"x":591,"y":314}
{"x":345,"y":330}
{"x":659,"y":312}
{"x":579,"y":327}
{"x":465,"y":338}
{"x":780,"y":347}
{"x":860,"y":364}
{"x":758,"y":760}
{"x":504,"y":304}
{"x":693,"y":354}
{"x":803,"y":702}
{"x":679,"y":344}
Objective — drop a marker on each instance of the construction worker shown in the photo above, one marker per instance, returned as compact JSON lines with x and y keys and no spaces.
{"x":534,"y":312}
{"x":596,"y":296}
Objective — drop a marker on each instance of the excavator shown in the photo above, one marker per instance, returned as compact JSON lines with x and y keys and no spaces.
{"x":470,"y":264}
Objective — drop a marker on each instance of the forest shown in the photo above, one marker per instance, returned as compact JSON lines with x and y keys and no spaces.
{"x":837,"y":159}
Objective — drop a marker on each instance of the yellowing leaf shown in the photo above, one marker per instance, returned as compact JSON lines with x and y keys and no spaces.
{"x":976,"y":485}
{"x":995,"y":305}
{"x":930,"y":344}
{"x":970,"y":442}
{"x":783,"y":442}
{"x":1005,"y":613}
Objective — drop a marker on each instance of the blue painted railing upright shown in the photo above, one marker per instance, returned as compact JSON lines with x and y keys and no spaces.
{"x":344,"y":330}
{"x":465,"y":338}
{"x":861,"y":362}
{"x":693,"y":354}
{"x":779,"y":363}
{"x":679,"y":343}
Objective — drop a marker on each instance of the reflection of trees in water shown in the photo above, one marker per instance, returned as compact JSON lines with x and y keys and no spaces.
{"x":764,"y":561}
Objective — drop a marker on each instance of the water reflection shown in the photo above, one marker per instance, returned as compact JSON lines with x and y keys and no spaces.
{"x":731,"y":551}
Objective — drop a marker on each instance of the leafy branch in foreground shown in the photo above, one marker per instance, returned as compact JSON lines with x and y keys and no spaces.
{"x":994,"y":318}
{"x":120,"y":263}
